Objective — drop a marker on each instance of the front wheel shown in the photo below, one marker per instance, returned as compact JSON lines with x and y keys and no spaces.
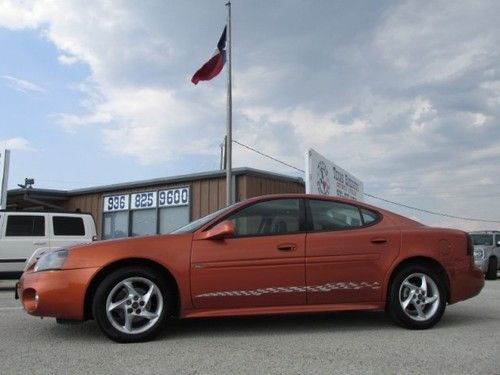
{"x":130,"y":304}
{"x":417,"y":297}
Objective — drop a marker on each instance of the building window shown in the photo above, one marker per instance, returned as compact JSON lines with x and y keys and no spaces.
{"x":143,"y":222}
{"x":146,"y":213}
{"x":172,"y":218}
{"x":115,"y":225}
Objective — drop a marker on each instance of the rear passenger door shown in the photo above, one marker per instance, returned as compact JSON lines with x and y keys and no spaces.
{"x":348,"y":251}
{"x":22,"y":235}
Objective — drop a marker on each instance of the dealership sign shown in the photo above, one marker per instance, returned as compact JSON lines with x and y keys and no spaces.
{"x":326,"y":178}
{"x":4,"y":174}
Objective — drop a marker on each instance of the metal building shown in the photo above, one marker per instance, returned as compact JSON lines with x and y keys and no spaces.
{"x":154,"y":206}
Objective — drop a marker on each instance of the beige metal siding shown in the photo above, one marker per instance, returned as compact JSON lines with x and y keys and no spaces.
{"x":90,"y":204}
{"x":207,"y":195}
{"x":253,"y":186}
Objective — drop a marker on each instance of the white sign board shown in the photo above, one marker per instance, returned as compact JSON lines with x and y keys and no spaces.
{"x":4,"y":176}
{"x":143,"y":200}
{"x":116,"y":203}
{"x":326,"y":178}
{"x":174,"y":197}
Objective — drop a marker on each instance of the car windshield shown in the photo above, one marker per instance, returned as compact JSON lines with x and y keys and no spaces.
{"x":197,"y":224}
{"x":482,"y":239}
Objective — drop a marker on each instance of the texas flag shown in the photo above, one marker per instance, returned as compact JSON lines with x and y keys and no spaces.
{"x":213,"y":66}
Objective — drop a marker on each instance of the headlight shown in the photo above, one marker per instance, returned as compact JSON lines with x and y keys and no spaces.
{"x":53,"y":260}
{"x":478,"y":254}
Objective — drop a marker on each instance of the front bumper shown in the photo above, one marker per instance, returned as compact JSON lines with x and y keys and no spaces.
{"x":55,"y":293}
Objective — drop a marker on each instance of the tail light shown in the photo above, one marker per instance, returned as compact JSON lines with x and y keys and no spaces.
{"x":470,"y":245}
{"x":470,"y":249}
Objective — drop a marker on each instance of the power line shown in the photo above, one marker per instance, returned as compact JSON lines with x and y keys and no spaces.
{"x":268,"y":156}
{"x":433,"y":212}
{"x":374,"y":196}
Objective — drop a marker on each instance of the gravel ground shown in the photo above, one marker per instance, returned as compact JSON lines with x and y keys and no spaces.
{"x":467,"y":340}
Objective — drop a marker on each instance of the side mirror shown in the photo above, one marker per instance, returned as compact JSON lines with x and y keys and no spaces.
{"x":221,"y":230}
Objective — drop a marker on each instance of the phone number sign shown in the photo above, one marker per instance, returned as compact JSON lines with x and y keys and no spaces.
{"x":149,"y":199}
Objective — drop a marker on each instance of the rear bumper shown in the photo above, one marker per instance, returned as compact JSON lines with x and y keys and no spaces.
{"x":466,"y":284}
{"x":482,"y":264}
{"x":56,"y":293}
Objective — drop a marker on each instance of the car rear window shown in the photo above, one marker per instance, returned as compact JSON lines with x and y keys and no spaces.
{"x":25,"y":226}
{"x":328,"y":215}
{"x":369,"y":217}
{"x":68,"y":226}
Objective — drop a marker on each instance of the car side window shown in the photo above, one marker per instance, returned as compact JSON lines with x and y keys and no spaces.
{"x":369,"y":217}
{"x":279,"y":216}
{"x":328,"y":215}
{"x":68,"y":226}
{"x":25,"y":226}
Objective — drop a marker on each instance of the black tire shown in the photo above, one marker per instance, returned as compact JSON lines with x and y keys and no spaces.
{"x":423,"y":310}
{"x":491,"y":273}
{"x":136,"y":317}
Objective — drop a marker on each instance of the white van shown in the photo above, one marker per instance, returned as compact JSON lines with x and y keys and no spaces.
{"x":25,"y":234}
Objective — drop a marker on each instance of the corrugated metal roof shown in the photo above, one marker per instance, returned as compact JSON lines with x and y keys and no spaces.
{"x":160,"y":181}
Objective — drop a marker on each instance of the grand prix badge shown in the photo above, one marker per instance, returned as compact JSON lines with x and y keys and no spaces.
{"x":322,"y":181}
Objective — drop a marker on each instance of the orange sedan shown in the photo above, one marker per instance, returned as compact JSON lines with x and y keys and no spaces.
{"x":267,"y":255}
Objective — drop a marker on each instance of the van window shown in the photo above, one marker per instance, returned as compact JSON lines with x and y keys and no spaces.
{"x":25,"y":226}
{"x":68,"y":226}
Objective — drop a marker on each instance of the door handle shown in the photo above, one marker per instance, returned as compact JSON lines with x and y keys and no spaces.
{"x":286,"y":247}
{"x":378,"y":240}
{"x":39,"y":243}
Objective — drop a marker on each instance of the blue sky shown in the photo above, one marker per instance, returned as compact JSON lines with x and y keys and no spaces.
{"x":405,"y":95}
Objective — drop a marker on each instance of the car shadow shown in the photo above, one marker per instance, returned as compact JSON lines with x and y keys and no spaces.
{"x":279,"y":324}
{"x":289,"y":324}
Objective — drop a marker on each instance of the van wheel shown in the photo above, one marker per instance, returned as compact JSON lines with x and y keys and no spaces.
{"x":491,"y":274}
{"x":417,"y":297}
{"x":131,"y":304}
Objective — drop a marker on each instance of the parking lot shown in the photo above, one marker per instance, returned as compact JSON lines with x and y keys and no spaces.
{"x":467,"y":340}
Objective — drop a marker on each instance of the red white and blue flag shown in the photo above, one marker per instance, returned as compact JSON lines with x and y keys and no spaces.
{"x":213,"y":66}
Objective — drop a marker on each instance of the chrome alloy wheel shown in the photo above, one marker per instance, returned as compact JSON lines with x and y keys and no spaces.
{"x":419,"y":297}
{"x":134,"y":305}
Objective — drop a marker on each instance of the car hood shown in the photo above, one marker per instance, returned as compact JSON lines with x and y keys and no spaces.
{"x":481,"y":247}
{"x":156,"y":248}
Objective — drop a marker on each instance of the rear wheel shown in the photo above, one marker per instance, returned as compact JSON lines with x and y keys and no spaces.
{"x":417,"y":297}
{"x":131,"y":304}
{"x":491,"y":274}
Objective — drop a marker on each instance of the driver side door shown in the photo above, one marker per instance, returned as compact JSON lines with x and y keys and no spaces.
{"x":262,"y":264}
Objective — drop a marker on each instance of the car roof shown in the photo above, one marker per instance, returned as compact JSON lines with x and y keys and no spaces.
{"x":61,"y":212}
{"x":485,"y":232}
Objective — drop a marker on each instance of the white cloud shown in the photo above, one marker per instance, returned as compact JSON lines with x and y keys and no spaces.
{"x":67,"y":59}
{"x":17,"y":143}
{"x":19,"y":15}
{"x":22,"y":85}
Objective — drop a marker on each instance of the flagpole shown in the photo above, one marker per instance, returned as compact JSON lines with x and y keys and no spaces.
{"x":229,"y":115}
